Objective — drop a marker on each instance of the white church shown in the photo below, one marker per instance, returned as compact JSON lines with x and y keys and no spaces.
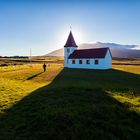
{"x":97,"y":58}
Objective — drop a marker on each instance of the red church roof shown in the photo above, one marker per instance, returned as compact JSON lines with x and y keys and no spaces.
{"x":70,"y":41}
{"x":89,"y":53}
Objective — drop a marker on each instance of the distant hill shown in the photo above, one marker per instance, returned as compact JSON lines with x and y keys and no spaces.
{"x":58,"y":52}
{"x":117,"y":50}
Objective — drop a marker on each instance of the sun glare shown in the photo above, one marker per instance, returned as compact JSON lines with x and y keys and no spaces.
{"x":78,"y":36}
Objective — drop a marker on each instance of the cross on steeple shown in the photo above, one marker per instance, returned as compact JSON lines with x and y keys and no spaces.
{"x":70,"y":28}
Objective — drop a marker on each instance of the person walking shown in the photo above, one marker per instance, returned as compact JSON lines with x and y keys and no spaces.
{"x":44,"y":67}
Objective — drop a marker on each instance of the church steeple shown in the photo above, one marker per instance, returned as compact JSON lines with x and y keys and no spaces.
{"x":70,"y":41}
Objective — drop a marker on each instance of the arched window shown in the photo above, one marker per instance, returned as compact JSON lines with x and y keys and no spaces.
{"x":88,"y":61}
{"x":96,"y":62}
{"x":73,"y":61}
{"x":80,"y":61}
{"x":68,"y":50}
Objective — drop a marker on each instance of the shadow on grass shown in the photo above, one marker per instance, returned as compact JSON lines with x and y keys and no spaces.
{"x":33,"y":76}
{"x":73,"y":107}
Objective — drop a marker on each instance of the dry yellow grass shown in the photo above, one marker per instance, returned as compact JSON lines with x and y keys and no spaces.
{"x":78,"y":104}
{"x":19,"y":81}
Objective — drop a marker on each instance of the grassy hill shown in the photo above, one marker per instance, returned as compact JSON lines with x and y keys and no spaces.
{"x":70,"y":104}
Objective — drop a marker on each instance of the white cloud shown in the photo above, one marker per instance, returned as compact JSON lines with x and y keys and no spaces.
{"x":136,"y":47}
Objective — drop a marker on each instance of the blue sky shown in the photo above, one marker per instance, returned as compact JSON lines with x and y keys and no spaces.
{"x":43,"y":25}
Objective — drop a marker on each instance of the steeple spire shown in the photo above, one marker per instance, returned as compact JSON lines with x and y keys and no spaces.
{"x":70,"y":41}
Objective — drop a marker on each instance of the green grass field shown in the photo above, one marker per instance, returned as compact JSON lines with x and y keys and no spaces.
{"x":69,"y":104}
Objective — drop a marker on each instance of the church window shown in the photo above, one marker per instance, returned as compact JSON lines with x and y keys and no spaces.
{"x":68,"y":50}
{"x":80,"y":61}
{"x":96,"y":62}
{"x":87,"y":61}
{"x":73,"y":61}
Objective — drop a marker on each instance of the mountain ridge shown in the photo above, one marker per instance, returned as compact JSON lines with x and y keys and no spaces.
{"x":117,"y":50}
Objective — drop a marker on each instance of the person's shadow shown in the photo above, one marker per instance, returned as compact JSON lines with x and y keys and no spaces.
{"x":33,"y":76}
{"x":76,"y":105}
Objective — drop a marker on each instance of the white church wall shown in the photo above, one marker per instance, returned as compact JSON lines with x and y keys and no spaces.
{"x":108,"y":60}
{"x":92,"y":64}
{"x":67,"y":52}
{"x":104,"y":63}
